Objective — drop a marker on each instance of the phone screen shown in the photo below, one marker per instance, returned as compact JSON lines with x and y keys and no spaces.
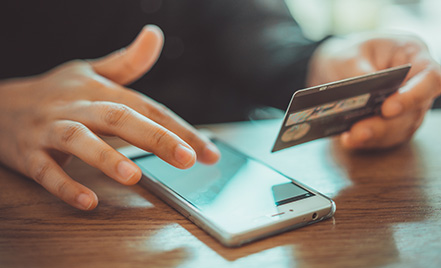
{"x":234,"y":192}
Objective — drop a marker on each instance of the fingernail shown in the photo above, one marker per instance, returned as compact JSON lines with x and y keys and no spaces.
{"x":126,"y":170}
{"x":84,"y":200}
{"x":345,"y":138}
{"x":211,"y":153}
{"x":184,"y":155}
{"x":150,"y":26}
{"x":394,"y":108}
{"x":153,"y":28}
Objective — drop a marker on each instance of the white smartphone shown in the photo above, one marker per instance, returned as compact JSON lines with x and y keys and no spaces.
{"x":237,"y":200}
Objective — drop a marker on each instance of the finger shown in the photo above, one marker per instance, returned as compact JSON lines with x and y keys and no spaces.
{"x":45,"y":171}
{"x":378,"y":133}
{"x":74,"y":138}
{"x":364,"y":133}
{"x":418,"y":92}
{"x":117,"y":119}
{"x":206,"y":151}
{"x":128,"y":64}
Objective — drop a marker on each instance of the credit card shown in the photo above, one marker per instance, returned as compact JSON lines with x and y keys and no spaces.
{"x":332,"y":108}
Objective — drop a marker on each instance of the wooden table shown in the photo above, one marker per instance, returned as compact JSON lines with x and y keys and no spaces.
{"x":388,"y":213}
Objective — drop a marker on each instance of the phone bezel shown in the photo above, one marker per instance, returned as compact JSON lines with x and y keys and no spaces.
{"x":320,"y":204}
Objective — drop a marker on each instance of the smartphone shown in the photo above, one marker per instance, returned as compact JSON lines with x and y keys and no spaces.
{"x":237,"y":200}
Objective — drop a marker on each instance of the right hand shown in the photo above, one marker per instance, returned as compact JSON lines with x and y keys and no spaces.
{"x":401,"y":113}
{"x":47,"y":118}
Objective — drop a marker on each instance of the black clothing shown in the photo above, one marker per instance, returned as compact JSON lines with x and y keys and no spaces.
{"x":221,"y":57}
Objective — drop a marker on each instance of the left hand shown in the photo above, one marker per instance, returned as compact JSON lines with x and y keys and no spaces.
{"x":402,"y":112}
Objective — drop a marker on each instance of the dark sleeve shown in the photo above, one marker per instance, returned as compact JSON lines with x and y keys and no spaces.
{"x":227,"y":57}
{"x":262,"y":48}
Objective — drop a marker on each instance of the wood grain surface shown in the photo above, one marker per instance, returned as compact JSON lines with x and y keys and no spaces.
{"x":388,"y":213}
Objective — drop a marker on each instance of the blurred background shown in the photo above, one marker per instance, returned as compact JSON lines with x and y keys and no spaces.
{"x":319,"y":18}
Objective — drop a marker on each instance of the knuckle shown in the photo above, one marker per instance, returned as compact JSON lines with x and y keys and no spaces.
{"x":62,"y":187}
{"x":127,"y":65}
{"x":78,"y":72}
{"x":116,"y":115}
{"x":159,"y":112}
{"x":75,"y":64}
{"x":104,"y":155}
{"x":94,"y":82}
{"x":40,"y":172}
{"x":71,"y":132}
{"x":159,"y":137}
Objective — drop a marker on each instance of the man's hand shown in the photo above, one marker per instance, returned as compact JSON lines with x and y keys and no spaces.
{"x":46,"y":119}
{"x":403,"y":112}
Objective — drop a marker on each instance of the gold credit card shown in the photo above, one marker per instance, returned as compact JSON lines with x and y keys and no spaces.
{"x":332,"y":108}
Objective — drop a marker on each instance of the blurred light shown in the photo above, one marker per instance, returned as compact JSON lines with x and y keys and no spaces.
{"x":319,"y":18}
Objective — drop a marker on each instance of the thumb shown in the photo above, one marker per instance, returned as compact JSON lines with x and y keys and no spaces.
{"x":130,"y":63}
